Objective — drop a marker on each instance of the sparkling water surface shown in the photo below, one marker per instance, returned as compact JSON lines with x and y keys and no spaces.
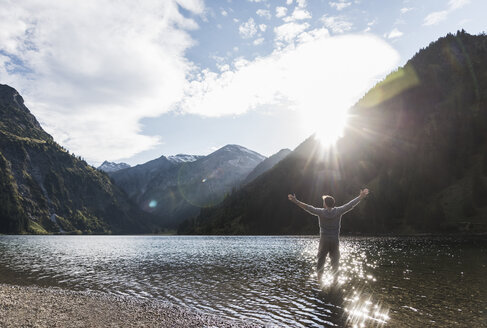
{"x":383,"y":282}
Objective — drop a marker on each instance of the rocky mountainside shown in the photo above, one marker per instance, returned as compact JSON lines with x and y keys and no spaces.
{"x":174,"y":190}
{"x":134,"y":180}
{"x":266,"y":165}
{"x":109,"y":167}
{"x":44,"y":189}
{"x":418,"y":140}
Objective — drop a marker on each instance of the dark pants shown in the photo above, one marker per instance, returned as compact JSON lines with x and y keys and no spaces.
{"x":328,"y":245}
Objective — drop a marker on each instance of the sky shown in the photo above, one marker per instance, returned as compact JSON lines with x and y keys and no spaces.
{"x":129,"y":81}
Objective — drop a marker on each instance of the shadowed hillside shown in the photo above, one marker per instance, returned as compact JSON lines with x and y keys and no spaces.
{"x":266,"y":165}
{"x":45,"y":189}
{"x":417,"y":140}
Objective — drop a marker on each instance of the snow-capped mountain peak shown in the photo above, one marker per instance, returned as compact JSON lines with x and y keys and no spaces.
{"x":107,"y":166}
{"x":183,"y":158}
{"x":241,"y":149}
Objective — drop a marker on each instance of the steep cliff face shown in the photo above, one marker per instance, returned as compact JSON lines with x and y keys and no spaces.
{"x":45,"y":189}
{"x":418,"y":140}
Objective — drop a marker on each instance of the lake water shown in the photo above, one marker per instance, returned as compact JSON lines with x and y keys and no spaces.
{"x":393,"y":282}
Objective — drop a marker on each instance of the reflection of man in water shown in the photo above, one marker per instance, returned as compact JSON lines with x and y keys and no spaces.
{"x":329,"y":219}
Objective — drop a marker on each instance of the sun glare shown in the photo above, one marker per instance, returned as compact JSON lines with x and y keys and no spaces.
{"x":326,"y":125}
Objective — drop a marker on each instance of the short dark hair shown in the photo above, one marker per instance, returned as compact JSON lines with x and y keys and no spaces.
{"x":329,"y":201}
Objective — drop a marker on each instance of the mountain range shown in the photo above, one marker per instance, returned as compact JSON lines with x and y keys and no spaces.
{"x":174,"y":188}
{"x":417,"y":140}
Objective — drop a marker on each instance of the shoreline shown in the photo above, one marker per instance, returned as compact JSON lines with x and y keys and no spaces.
{"x":418,"y":234}
{"x":34,"y":306}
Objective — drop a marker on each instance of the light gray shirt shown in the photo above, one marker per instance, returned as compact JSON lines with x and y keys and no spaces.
{"x":330,"y":218}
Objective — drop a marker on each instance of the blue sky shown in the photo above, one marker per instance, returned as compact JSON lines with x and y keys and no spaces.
{"x":131,"y":81}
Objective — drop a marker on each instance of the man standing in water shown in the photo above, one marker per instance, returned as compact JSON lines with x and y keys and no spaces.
{"x":330,"y":218}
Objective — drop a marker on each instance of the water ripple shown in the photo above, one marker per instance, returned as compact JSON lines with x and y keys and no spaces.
{"x":382,"y":281}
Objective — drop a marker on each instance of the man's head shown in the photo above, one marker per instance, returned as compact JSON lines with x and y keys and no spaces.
{"x":328,"y":201}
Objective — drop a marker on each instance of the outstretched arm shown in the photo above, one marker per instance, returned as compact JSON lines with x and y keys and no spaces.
{"x":308,"y":208}
{"x":351,"y":204}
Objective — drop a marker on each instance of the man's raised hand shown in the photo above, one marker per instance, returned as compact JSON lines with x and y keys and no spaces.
{"x":364,"y":193}
{"x":292,"y":198}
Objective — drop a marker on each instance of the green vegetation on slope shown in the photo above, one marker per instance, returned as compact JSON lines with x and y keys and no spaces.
{"x":44,"y":189}
{"x":12,"y":217}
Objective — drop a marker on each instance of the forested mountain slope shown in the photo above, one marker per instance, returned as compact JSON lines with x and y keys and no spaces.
{"x":418,"y":140}
{"x":44,"y":189}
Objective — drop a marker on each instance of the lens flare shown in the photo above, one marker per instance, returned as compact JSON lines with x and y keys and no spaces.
{"x":153,"y":203}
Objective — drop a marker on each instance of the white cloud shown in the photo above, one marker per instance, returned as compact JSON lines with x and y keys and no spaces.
{"x":218,"y":59}
{"x":435,"y":17}
{"x":310,"y":36}
{"x":338,"y":24}
{"x":224,"y":12}
{"x":289,"y":2}
{"x":301,"y":3}
{"x":258,"y":41}
{"x":405,"y":10}
{"x":298,"y":14}
{"x":318,"y":76}
{"x":289,"y":31}
{"x":395,"y":33}
{"x":340,"y":5}
{"x":93,"y":69}
{"x":457,"y":4}
{"x":439,"y":16}
{"x":264,"y":13}
{"x":248,"y":29}
{"x":369,"y":26}
{"x":223,"y":68}
{"x":262,"y":27}
{"x":281,"y":12}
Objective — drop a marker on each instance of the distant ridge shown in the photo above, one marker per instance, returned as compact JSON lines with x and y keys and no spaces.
{"x":108,"y":167}
{"x":174,"y":188}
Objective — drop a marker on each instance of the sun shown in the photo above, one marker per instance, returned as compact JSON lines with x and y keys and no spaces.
{"x":327,"y":125}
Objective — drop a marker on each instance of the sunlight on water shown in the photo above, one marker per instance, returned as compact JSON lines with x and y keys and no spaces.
{"x":361,"y":310}
{"x":358,"y":305}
